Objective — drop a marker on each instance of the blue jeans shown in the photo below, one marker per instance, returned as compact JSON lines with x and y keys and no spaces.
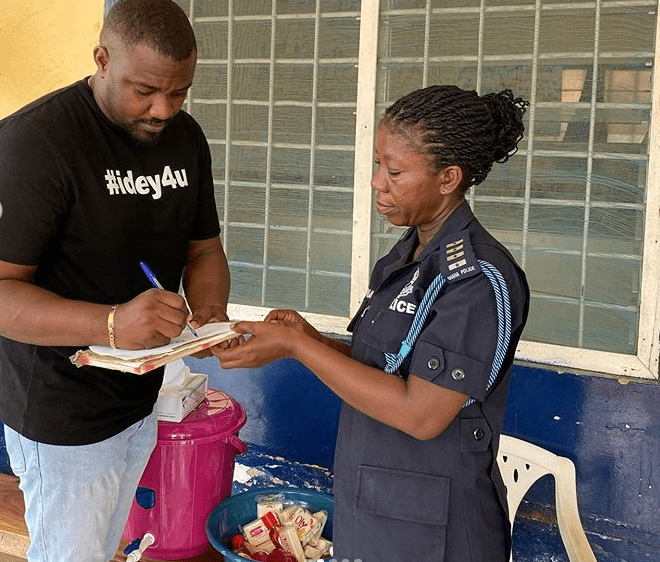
{"x":77,"y":498}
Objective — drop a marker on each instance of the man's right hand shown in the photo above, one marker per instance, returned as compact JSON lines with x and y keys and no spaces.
{"x":149,"y":320}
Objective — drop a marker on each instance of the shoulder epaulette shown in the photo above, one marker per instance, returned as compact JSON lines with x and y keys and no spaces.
{"x":457,"y":260}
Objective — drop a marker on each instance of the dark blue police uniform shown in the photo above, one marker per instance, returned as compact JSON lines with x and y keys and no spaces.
{"x":398,"y":498}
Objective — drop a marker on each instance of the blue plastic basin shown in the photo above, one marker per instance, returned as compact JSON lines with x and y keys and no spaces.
{"x":227,"y":517}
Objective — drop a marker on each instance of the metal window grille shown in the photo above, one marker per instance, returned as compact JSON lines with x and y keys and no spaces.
{"x":289,"y":93}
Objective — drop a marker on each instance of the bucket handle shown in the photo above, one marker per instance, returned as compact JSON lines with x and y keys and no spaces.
{"x":238,"y":444}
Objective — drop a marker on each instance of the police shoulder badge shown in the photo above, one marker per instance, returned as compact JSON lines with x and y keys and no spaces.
{"x":458,"y":260}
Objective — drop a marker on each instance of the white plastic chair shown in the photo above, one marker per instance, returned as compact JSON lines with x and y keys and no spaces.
{"x":521,"y":464}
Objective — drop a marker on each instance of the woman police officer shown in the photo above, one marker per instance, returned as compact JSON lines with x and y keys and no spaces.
{"x":425,"y":378}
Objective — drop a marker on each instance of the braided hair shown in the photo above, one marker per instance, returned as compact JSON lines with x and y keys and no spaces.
{"x":459,"y":127}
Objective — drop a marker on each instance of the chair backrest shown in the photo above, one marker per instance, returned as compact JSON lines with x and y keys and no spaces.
{"x":521,"y":464}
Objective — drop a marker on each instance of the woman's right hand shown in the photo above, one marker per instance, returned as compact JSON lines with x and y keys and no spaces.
{"x":260,"y":343}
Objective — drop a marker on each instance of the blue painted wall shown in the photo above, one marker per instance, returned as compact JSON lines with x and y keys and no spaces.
{"x":611,"y":432}
{"x":290,"y":413}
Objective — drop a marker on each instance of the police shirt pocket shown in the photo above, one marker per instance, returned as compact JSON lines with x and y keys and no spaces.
{"x":384,"y":340}
{"x":401,"y":515}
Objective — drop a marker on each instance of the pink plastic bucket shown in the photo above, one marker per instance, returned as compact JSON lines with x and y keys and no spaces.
{"x":189,"y":473}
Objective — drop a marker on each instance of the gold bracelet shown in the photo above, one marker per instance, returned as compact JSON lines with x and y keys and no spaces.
{"x":111,"y":326}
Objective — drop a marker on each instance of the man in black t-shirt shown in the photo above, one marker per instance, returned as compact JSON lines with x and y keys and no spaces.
{"x":94,"y":179}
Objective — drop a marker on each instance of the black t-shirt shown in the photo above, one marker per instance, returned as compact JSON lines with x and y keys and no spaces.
{"x":86,"y":204}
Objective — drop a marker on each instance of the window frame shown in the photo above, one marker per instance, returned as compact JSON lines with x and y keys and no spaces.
{"x":643,"y":365}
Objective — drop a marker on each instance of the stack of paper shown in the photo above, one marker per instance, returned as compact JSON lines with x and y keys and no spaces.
{"x":144,"y":360}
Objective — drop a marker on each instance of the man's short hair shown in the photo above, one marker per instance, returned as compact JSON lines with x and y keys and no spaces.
{"x":160,"y":24}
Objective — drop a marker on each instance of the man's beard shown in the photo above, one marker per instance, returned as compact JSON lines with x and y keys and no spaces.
{"x":145,"y":138}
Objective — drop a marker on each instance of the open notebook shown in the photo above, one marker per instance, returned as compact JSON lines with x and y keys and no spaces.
{"x":143,"y":360}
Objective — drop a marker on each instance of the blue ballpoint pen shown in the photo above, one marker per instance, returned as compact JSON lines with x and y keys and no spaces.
{"x":156,"y":283}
